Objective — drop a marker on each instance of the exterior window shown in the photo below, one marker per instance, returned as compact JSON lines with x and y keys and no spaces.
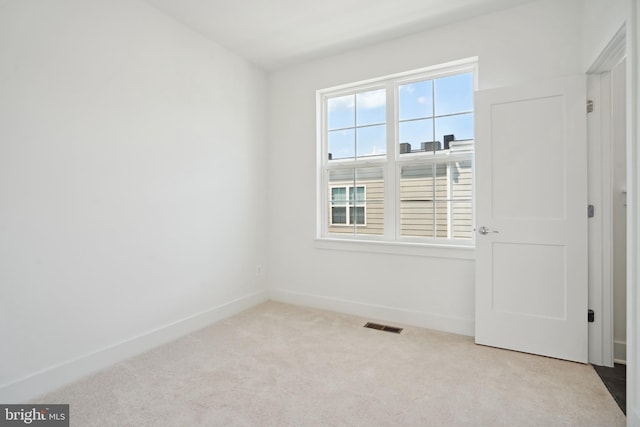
{"x":348,"y":211}
{"x":397,"y":157}
{"x":355,"y":201}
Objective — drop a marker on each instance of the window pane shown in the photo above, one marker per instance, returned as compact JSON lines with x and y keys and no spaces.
{"x":371,"y":141}
{"x":369,"y":203}
{"x":341,"y":112}
{"x":370,"y":107}
{"x":415,"y":100}
{"x":416,"y":218}
{"x":357,"y":215}
{"x":442,"y":219}
{"x":338,"y":194}
{"x":416,"y":200}
{"x":461,"y":181}
{"x":461,"y":196}
{"x":362,"y":191}
{"x":341,"y":178}
{"x":342,"y":144}
{"x":441,"y":181}
{"x":462,"y":220}
{"x":415,"y":133}
{"x":338,"y":205}
{"x":373,"y":213}
{"x":460,"y":126}
{"x":359,"y":194}
{"x":338,"y":215}
{"x":435,"y":200}
{"x":454,"y":94}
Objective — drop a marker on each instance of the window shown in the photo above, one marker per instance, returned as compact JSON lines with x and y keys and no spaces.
{"x":356,"y":201}
{"x":397,"y":157}
{"x":349,"y":211}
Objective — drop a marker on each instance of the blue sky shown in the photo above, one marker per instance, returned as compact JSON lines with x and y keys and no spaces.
{"x":356,"y":123}
{"x":364,"y":114}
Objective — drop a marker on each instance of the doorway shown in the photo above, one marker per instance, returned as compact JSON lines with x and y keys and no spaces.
{"x":619,"y":211}
{"x":607,"y":84}
{"x":606,"y":88}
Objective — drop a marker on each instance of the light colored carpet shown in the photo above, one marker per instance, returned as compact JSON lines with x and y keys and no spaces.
{"x":282,"y":365}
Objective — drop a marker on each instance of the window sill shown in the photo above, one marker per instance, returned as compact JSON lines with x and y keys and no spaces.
{"x":398,"y":248}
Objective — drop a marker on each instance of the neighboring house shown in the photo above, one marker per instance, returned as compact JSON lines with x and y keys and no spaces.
{"x":435,"y":201}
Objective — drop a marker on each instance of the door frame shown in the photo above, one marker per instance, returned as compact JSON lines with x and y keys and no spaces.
{"x":633,"y":215}
{"x":600,"y":145}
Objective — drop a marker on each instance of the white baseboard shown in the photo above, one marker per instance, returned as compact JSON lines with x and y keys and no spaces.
{"x":36,"y":384}
{"x":620,"y":352}
{"x":456,"y":325}
{"x":633,"y":417}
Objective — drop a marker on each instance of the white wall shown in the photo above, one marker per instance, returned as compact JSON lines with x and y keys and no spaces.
{"x":513,"y":47}
{"x":132,"y":186}
{"x":601,"y":19}
{"x":633,"y":216}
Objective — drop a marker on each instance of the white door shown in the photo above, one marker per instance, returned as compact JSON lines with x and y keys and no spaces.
{"x":531,"y":198}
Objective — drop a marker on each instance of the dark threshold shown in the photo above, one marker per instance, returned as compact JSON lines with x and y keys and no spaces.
{"x":615,"y":379}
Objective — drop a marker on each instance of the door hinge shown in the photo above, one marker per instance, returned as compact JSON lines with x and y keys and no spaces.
{"x":591,"y":211}
{"x":591,"y":316}
{"x":589,"y":106}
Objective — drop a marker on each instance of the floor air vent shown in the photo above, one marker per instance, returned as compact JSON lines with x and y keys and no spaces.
{"x":385,"y":328}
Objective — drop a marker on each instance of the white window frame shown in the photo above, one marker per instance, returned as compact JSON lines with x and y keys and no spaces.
{"x":391,"y":163}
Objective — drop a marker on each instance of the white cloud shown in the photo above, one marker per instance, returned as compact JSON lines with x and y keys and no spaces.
{"x":372,"y":99}
{"x":409,"y":88}
{"x":341,"y":103}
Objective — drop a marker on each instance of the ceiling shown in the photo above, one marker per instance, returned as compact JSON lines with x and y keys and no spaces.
{"x":277,"y":33}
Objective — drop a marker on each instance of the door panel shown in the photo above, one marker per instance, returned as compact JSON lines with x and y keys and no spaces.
{"x":531,"y":194}
{"x":529,"y":145}
{"x":525,"y":288}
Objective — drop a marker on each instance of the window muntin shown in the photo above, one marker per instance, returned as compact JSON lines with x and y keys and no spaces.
{"x":429,"y":187}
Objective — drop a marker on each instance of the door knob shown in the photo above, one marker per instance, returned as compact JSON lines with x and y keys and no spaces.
{"x":484,"y":231}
